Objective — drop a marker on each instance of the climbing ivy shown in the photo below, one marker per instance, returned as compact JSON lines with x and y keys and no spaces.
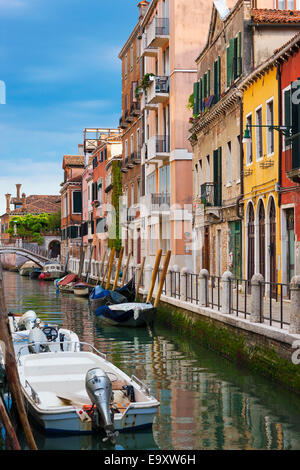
{"x":115,"y":240}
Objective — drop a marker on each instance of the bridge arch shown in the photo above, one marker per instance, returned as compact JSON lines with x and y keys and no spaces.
{"x":36,"y":258}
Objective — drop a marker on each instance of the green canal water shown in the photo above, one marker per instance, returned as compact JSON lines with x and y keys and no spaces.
{"x":206,"y":401}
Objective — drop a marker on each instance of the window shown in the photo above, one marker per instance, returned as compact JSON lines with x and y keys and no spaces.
{"x":151,"y":183}
{"x":229,"y":169}
{"x":126,"y":65}
{"x":77,"y":202}
{"x":131,"y":57}
{"x":208,"y":169}
{"x":196,"y":188}
{"x":164,"y":179}
{"x":131,"y":144}
{"x":100,"y":190}
{"x":138,"y":194}
{"x":270,"y":122}
{"x":249,"y":149}
{"x":66,"y":206}
{"x":259,"y":134}
{"x":126,"y":148}
{"x":138,"y":142}
{"x":132,"y":195}
{"x":287,"y":4}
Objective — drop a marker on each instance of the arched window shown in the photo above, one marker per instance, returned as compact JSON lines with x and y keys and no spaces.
{"x":272,"y":247}
{"x":262,"y":239}
{"x":251,"y":242}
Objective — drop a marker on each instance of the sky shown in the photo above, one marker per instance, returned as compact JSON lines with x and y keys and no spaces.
{"x":60,"y":69}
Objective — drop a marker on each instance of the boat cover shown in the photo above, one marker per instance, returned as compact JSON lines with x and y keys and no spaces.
{"x":68,"y":279}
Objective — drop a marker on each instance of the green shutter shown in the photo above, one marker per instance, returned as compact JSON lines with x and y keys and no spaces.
{"x":239,"y":54}
{"x":218,"y":177}
{"x":295,"y":96}
{"x":208,"y":83}
{"x":200,"y":94}
{"x":230,"y":60}
{"x":205,"y":86}
{"x":196,"y":101}
{"x":77,"y":202}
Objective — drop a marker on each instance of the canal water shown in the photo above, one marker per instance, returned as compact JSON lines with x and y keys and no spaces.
{"x":206,"y":402}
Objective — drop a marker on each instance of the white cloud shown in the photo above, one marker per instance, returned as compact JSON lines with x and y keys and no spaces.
{"x":35,"y":177}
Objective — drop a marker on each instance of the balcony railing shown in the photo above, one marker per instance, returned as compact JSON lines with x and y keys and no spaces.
{"x":163,"y":144}
{"x":292,"y":158}
{"x":158,"y":90}
{"x":122,"y":123}
{"x":135,"y":108}
{"x":211,"y":194}
{"x":158,"y":32}
{"x":161,"y":200}
{"x":135,"y":157}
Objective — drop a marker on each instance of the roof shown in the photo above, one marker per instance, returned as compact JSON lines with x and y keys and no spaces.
{"x":38,"y":204}
{"x":264,"y":16}
{"x":77,"y":160}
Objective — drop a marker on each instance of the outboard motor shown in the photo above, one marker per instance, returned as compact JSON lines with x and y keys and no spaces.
{"x":37,"y":341}
{"x":99,"y":390}
{"x":27,"y":321}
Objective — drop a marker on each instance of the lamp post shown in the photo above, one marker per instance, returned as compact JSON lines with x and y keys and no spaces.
{"x":285,"y":130}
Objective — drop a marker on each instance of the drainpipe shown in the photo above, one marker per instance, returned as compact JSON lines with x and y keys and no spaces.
{"x":280,"y":135}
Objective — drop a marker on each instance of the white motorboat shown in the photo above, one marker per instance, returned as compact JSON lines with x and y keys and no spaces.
{"x":82,"y":392}
{"x":27,"y":268}
{"x":52,"y":271}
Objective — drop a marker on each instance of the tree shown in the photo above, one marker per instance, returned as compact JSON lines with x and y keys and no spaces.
{"x":32,"y":227}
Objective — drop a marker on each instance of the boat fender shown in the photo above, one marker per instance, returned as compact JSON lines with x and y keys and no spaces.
{"x":129,"y":391}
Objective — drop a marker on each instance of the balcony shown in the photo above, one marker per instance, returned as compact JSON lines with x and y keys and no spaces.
{"x":158,"y":148}
{"x":135,"y":109}
{"x":211,"y":198}
{"x":135,"y":158}
{"x":292,"y":161}
{"x":124,"y":168}
{"x":129,"y":163}
{"x":158,"y":33}
{"x":145,"y":101}
{"x":146,"y":50}
{"x":122,"y":123}
{"x":160,"y":202}
{"x":128,"y":117}
{"x":158,"y":91}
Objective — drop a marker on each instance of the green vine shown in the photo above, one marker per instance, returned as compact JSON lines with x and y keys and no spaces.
{"x":146,"y":80}
{"x":114,"y":239}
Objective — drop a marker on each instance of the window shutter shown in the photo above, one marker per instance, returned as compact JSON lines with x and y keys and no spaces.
{"x":230,"y":61}
{"x":196,"y":102}
{"x":77,"y":202}
{"x":219,"y":78}
{"x":208,"y":83}
{"x":295,"y":97}
{"x":239,"y":54}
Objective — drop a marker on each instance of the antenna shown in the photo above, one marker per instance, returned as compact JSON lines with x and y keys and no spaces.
{"x":222,"y":8}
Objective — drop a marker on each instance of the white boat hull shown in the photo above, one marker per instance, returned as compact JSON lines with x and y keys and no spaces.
{"x":48,"y":378}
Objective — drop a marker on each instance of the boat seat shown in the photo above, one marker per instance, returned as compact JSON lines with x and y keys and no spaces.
{"x":49,"y":400}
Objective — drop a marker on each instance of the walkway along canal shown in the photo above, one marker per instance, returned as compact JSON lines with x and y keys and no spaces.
{"x":207,"y":402}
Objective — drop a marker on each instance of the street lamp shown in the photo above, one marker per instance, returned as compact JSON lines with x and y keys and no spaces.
{"x":285,"y":130}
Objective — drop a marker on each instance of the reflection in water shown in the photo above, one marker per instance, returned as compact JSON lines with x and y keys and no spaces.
{"x":206,"y":402}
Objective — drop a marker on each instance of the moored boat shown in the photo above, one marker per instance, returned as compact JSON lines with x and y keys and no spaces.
{"x":100,"y":297}
{"x":51,"y":271}
{"x":127,"y":314}
{"x":67,"y":283}
{"x":27,"y":268}
{"x":82,"y":289}
{"x":82,"y":392}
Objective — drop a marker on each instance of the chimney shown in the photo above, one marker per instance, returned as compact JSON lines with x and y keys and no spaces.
{"x":8,"y":196}
{"x":23,"y":199}
{"x":143,"y":7}
{"x":18,"y":186}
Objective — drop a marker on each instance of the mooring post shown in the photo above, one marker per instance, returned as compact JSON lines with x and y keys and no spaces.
{"x":184,"y":284}
{"x":169,"y":282}
{"x":227,"y":292}
{"x":295,"y":306}
{"x":257,"y":304}
{"x":148,"y":275}
{"x":203,"y":287}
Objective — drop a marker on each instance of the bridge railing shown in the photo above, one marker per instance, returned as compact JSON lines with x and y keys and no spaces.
{"x":31,"y":247}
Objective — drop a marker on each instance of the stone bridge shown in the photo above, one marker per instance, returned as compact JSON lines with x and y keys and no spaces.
{"x":29,"y":253}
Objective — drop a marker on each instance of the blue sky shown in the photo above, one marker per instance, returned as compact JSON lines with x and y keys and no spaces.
{"x":59,"y":61}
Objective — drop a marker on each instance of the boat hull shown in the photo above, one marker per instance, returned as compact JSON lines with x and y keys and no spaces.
{"x":135,"y":315}
{"x":53,"y":387}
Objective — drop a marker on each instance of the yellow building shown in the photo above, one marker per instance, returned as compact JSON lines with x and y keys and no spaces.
{"x":262,"y":248}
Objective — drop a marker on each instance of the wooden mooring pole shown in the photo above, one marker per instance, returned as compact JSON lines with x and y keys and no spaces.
{"x":154,"y":275}
{"x":11,"y":437}
{"x":118,"y":268}
{"x":111,"y":261}
{"x":126,"y":270}
{"x":162,"y":278}
{"x":11,"y":368}
{"x":140,"y":275}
